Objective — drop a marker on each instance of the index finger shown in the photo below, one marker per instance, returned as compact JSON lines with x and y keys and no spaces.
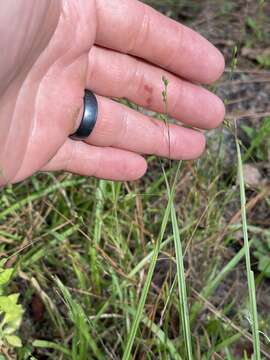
{"x":130,"y":26}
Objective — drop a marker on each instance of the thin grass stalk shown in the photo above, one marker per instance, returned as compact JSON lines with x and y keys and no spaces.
{"x":146,"y":259}
{"x":139,"y":312}
{"x":98,"y":223}
{"x":184,"y":312}
{"x":181,"y":284}
{"x":250,"y":274}
{"x":212,"y":285}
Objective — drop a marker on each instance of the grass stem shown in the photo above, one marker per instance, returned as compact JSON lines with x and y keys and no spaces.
{"x":250,"y":274}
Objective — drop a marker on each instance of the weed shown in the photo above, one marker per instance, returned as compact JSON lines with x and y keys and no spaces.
{"x":10,"y":311}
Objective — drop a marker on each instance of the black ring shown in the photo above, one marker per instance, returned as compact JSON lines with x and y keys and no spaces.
{"x":89,"y":118}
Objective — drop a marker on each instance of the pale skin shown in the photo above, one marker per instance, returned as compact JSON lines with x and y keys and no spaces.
{"x":52,"y":50}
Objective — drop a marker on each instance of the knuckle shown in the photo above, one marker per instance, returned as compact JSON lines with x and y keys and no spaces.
{"x":70,"y":157}
{"x":176,"y":48}
{"x":122,"y":134}
{"x":97,"y":168}
{"x":177,"y":97}
{"x":141,"y":32}
{"x":139,"y":78}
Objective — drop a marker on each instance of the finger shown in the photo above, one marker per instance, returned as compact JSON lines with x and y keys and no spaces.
{"x":105,"y":163}
{"x":121,"y":127}
{"x":119,"y":75}
{"x":130,"y":26}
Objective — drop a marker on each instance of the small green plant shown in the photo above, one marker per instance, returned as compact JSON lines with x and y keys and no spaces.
{"x":10,"y":311}
{"x":259,"y":141}
{"x":253,"y":25}
{"x":262,"y":253}
{"x":256,"y":23}
{"x":264,"y":60}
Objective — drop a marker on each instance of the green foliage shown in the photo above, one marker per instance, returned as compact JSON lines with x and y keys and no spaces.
{"x":10,"y":311}
{"x":82,"y":340}
{"x":5,"y":276}
{"x":259,"y":141}
{"x":264,"y":60}
{"x":254,"y":25}
{"x":262,"y":253}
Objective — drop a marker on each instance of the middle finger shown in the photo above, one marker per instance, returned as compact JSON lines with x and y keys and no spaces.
{"x":129,"y":26}
{"x":118,"y":75}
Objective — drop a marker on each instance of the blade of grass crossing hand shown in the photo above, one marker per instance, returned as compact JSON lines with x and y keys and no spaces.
{"x":250,"y":274}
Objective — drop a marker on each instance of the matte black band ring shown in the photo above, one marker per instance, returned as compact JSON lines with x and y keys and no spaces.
{"x":89,"y":118}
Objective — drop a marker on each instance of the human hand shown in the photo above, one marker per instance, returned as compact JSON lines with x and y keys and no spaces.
{"x":116,"y":48}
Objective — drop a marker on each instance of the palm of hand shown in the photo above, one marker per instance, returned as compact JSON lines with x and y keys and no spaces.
{"x":46,"y":106}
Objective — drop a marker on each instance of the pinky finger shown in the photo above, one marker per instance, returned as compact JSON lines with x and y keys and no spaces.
{"x":101,"y":162}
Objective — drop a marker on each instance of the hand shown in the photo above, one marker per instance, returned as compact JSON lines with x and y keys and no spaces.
{"x":116,"y":48}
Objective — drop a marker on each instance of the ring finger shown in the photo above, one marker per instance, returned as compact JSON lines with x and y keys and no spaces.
{"x":121,"y":127}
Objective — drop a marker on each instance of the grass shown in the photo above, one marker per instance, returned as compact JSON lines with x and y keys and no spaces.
{"x":250,"y":273}
{"x":145,"y":290}
{"x":163,"y":268}
{"x":184,"y":311}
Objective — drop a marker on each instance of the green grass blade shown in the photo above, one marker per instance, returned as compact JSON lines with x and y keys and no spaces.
{"x":147,"y":258}
{"x":212,"y":285}
{"x":226,"y":343}
{"x":163,"y":338}
{"x":184,"y":313}
{"x":82,"y":338}
{"x":181,"y":284}
{"x":255,"y":324}
{"x":51,"y":345}
{"x":159,"y":333}
{"x":98,"y":223}
{"x":250,"y":275}
{"x":38,"y":195}
{"x":139,"y":312}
